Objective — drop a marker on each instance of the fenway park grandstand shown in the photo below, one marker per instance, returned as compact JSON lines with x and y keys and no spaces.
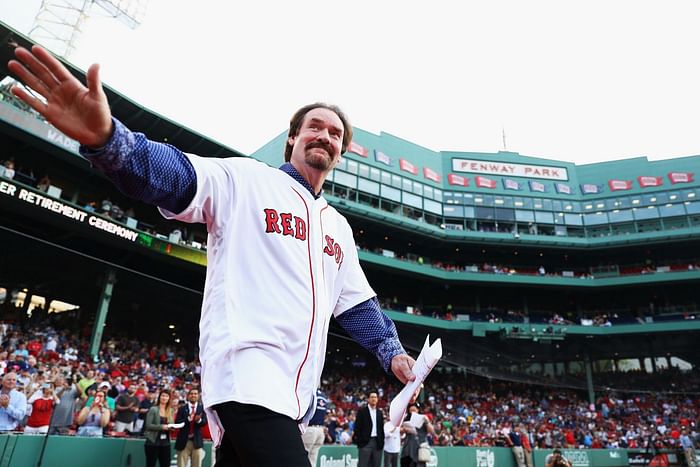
{"x":565,"y":296}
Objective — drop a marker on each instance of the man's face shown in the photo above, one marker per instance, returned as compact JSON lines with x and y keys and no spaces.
{"x":373,"y":399}
{"x":9,"y":381}
{"x":90,"y":374}
{"x":132,"y":389}
{"x":193,"y":396}
{"x":319,"y":141}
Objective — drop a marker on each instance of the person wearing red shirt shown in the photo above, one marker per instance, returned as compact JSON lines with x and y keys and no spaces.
{"x":34,"y":347}
{"x":43,"y":401}
{"x":570,"y":439}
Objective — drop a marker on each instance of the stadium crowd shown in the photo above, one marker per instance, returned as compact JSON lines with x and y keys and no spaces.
{"x":51,"y":370}
{"x":49,"y":365}
{"x":494,"y":314}
{"x":479,"y":412}
{"x":669,"y":265}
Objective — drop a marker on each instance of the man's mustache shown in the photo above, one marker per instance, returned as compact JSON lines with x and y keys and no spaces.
{"x":320,"y":144}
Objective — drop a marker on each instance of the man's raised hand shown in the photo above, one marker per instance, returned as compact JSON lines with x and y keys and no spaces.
{"x":80,"y":112}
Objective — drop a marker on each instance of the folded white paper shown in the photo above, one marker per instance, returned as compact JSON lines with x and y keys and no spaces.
{"x":176,"y":426}
{"x":425,"y":362}
{"x":417,"y":420}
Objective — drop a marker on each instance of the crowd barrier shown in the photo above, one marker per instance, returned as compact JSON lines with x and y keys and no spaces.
{"x":341,"y":456}
{"x":17,"y":450}
{"x":76,"y":451}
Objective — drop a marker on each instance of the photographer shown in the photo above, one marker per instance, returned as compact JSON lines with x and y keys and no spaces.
{"x":556,"y":459}
{"x":67,"y":392}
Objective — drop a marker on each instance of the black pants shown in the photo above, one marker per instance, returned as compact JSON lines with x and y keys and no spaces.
{"x":157,"y":453}
{"x":370,"y":455}
{"x":258,"y":437}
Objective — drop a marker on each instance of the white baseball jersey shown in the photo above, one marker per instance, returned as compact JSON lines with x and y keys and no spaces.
{"x":279,"y":263}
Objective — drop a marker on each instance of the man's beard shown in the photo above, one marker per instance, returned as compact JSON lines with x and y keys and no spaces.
{"x":316,"y":161}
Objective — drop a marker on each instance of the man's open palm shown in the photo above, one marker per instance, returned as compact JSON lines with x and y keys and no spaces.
{"x":80,"y":112}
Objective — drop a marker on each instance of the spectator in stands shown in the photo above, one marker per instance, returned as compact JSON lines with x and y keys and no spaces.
{"x":345,"y":435}
{"x":106,"y":207}
{"x":158,"y":421}
{"x":13,"y":403}
{"x":93,"y":418}
{"x":51,"y":343}
{"x":127,"y":405}
{"x":21,"y":351}
{"x":189,"y":443}
{"x":44,"y":184}
{"x":117,"y":388}
{"x":42,"y":402}
{"x":104,"y":387}
{"x":70,"y":354}
{"x":67,"y":393}
{"x":174,"y":402}
{"x":688,"y":447}
{"x":148,"y":401}
{"x":85,"y":382}
{"x":24,"y":379}
{"x":9,"y":169}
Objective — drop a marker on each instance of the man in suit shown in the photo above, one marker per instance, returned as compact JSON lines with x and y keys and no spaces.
{"x":189,"y":443}
{"x":369,"y":433}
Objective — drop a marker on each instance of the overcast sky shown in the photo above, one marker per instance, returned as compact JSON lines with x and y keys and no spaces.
{"x":576,"y":81}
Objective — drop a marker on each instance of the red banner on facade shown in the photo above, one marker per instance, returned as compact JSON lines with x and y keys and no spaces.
{"x":408,"y":167}
{"x":616,"y":185}
{"x":484,"y":182}
{"x":454,"y":179}
{"x":357,"y":149}
{"x":650,"y":181}
{"x":680,"y":177}
{"x":430,"y":174}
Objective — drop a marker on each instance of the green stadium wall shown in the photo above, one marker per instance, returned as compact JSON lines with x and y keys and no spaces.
{"x":75,"y":451}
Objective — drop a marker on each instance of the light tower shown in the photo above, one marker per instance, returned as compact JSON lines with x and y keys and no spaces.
{"x":58,"y":23}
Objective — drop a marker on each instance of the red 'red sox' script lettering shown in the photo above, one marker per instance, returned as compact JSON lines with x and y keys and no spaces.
{"x":333,"y":249}
{"x":285,"y":223}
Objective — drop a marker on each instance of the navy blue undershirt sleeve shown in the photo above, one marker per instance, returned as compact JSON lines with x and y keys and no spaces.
{"x":154,"y":173}
{"x":373,"y":330}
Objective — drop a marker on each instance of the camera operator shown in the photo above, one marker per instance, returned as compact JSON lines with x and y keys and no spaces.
{"x":556,"y":459}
